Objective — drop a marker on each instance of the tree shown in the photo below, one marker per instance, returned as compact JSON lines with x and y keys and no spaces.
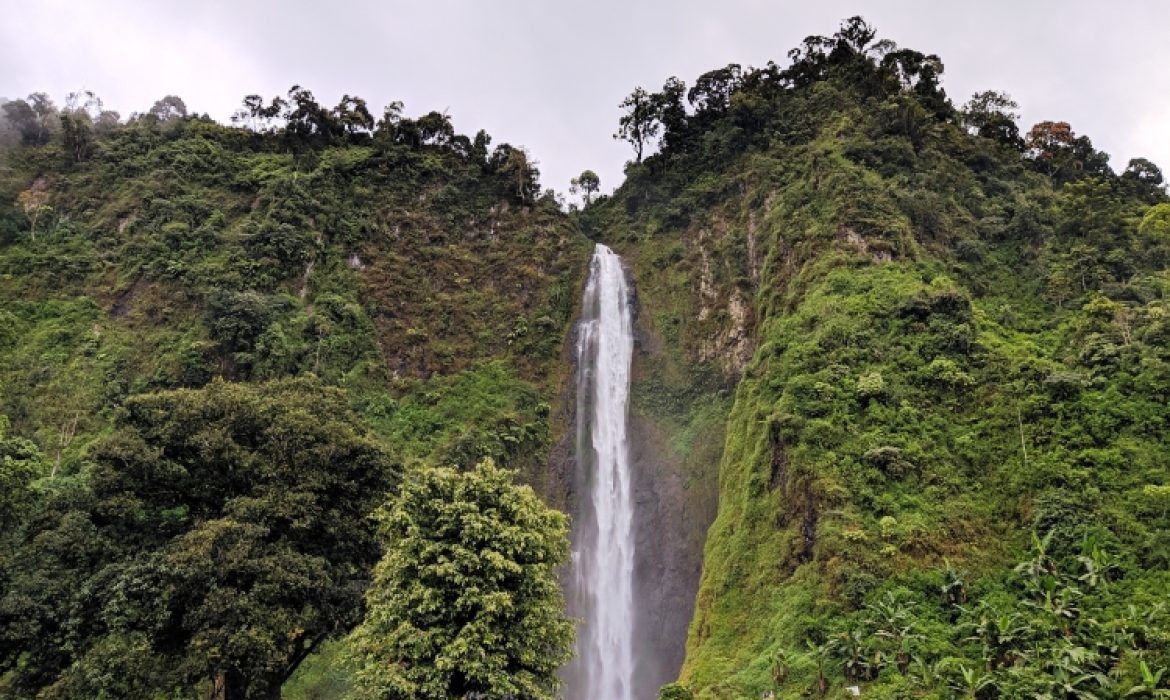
{"x":435,"y":129}
{"x":307,"y":123}
{"x":519,"y":169}
{"x":465,"y":603}
{"x":224,"y":538}
{"x":1063,"y":155}
{"x":33,"y":118}
{"x":993,"y":115}
{"x":639,"y":124}
{"x":919,"y":74}
{"x":258,"y":116}
{"x":20,"y":463}
{"x":354,"y":117}
{"x":82,"y":110}
{"x":713,"y":89}
{"x":1144,"y":179}
{"x":22,"y":120}
{"x":1143,"y":171}
{"x":671,"y":112}
{"x":76,"y":136}
{"x":587,"y":183}
{"x":34,"y":202}
{"x":107,"y":122}
{"x":168,"y":108}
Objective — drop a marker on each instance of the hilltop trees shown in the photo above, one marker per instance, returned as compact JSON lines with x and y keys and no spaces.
{"x":33,"y":118}
{"x":639,"y":124}
{"x":734,"y":107}
{"x":295,"y":123}
{"x":465,"y":604}
{"x":993,"y":115}
{"x":856,"y":140}
{"x":1058,"y":152}
{"x":587,"y":183}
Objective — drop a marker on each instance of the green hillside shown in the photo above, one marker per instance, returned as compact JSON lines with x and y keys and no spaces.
{"x":419,"y":272}
{"x":377,"y":257}
{"x":946,"y":463}
{"x":909,"y":364}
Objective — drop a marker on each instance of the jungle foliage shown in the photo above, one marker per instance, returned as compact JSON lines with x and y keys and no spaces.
{"x":220,"y":348}
{"x":935,"y":345}
{"x":947,"y":451}
{"x":466,"y":602}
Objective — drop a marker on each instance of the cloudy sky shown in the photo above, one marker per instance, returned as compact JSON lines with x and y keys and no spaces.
{"x":549,"y":75}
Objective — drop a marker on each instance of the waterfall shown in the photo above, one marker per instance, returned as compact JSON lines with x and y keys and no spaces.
{"x":603,"y":547}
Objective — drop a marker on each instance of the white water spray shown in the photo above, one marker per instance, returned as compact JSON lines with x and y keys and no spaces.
{"x":603,"y":551}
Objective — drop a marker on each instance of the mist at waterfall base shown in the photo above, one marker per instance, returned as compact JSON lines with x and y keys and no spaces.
{"x":602,"y":586}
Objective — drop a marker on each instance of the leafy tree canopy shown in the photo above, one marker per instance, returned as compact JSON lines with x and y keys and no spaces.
{"x":224,"y":538}
{"x":465,"y":604}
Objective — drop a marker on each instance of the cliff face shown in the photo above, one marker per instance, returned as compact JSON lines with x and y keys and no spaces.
{"x":920,"y":344}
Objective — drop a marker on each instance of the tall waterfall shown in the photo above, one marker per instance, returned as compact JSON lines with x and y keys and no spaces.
{"x":603,"y":548}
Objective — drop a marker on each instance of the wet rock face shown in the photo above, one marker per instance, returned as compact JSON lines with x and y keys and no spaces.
{"x":672,"y":514}
{"x":669,"y":533}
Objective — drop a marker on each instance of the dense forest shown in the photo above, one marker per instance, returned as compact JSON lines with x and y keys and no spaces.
{"x":268,"y":392}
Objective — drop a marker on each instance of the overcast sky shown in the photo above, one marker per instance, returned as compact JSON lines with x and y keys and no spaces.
{"x":549,"y":76}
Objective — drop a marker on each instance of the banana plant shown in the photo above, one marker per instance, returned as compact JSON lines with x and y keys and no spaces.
{"x":1149,"y":685}
{"x":971,"y":682}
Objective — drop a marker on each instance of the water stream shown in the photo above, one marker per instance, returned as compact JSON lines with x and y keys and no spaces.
{"x":603,"y":547}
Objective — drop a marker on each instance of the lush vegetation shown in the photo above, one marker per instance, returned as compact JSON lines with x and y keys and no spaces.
{"x":947,"y":336}
{"x":926,"y":349}
{"x":222,"y":537}
{"x":466,"y":602}
{"x":221,"y":347}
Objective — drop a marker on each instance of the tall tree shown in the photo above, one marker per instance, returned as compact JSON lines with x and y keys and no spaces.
{"x":519,"y":169}
{"x":168,"y":108}
{"x":82,"y":109}
{"x":1144,"y":179}
{"x":993,"y":115}
{"x":639,"y":124}
{"x":34,"y":118}
{"x":586,"y":183}
{"x":1057,"y":151}
{"x":354,"y":117}
{"x":671,"y":112}
{"x":465,"y":604}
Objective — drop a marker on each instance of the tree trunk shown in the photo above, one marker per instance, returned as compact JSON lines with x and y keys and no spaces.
{"x":230,"y":685}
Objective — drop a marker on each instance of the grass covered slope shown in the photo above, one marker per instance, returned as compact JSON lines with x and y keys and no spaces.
{"x":177,"y":250}
{"x":955,"y":340}
{"x":407,"y":274}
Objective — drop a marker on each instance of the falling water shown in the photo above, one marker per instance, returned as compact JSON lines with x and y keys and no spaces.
{"x":603,"y":548}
